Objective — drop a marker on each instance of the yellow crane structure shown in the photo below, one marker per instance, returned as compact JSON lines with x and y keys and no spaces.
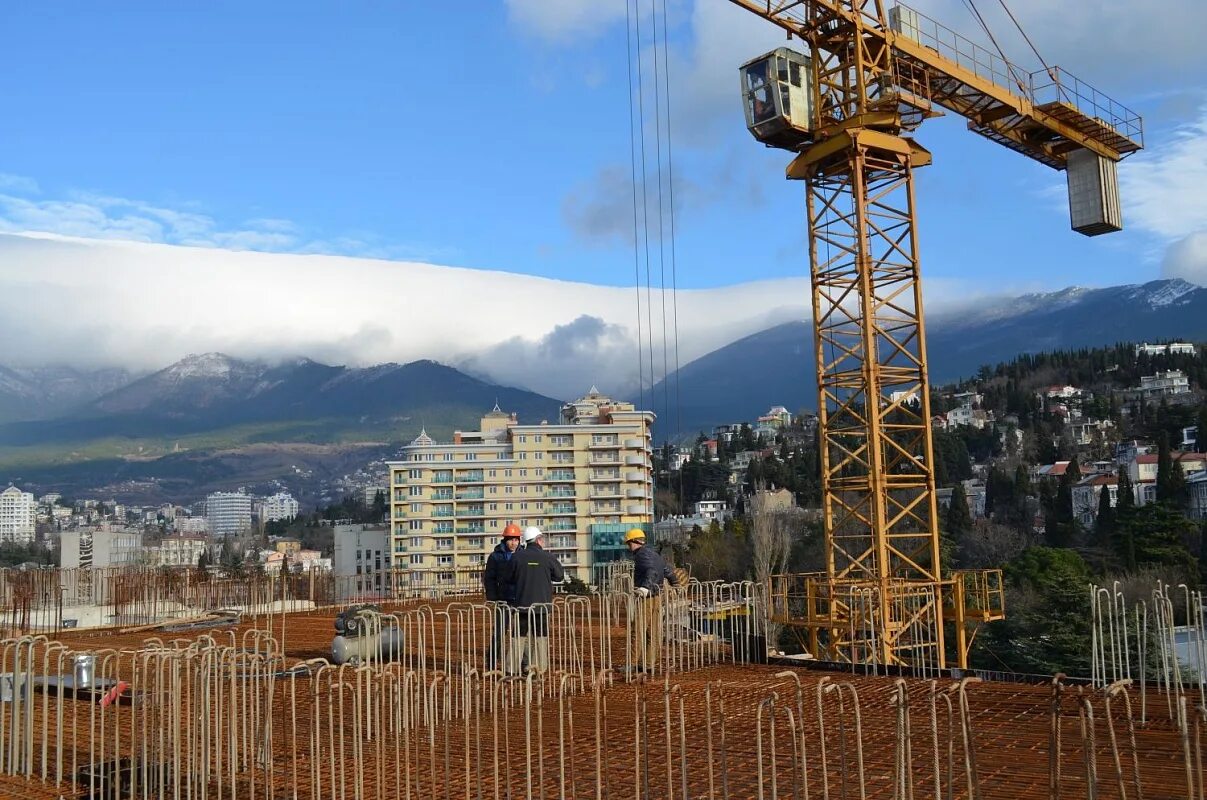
{"x":871,"y":75}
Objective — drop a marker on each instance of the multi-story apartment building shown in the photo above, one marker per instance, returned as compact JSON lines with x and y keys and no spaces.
{"x":279,"y":506}
{"x":228,"y":513}
{"x":583,"y":481}
{"x":100,"y":548}
{"x":18,"y":516}
{"x":177,"y":551}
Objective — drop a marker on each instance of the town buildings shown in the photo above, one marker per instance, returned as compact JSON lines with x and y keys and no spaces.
{"x":1172,"y":348}
{"x":583,"y":480}
{"x":18,"y":516}
{"x":100,"y":548}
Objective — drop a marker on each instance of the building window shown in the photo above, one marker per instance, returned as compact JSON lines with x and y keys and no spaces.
{"x":523,"y":473}
{"x":444,"y":561}
{"x":416,"y":473}
{"x":416,"y":524}
{"x":416,"y":507}
{"x":448,"y":456}
{"x":507,"y":506}
{"x":508,"y":489}
{"x":523,"y":457}
{"x":540,"y":456}
{"x":506,"y":473}
{"x":524,"y":506}
{"x":471,"y":456}
{"x":490,"y":473}
{"x":416,"y":541}
{"x":416,"y":491}
{"x":417,"y":560}
{"x":523,"y":440}
{"x":494,"y":506}
{"x":537,"y":438}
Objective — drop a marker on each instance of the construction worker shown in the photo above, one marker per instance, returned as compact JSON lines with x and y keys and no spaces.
{"x":496,"y":579}
{"x":649,"y":573}
{"x":533,"y":573}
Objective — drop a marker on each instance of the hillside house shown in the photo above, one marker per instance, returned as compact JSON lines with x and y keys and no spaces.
{"x":1164,"y":384}
{"x":1143,"y":472}
{"x":1086,"y":496}
{"x":1197,"y":484}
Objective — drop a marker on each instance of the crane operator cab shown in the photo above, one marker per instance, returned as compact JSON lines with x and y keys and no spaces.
{"x":777,"y":92}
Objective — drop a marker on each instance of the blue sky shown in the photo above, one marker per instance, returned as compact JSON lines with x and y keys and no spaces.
{"x":497,"y":138}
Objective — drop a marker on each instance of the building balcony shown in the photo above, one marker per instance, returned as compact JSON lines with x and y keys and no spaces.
{"x":442,"y":494}
{"x":400,"y":513}
{"x":444,"y":547}
{"x":560,"y":492}
{"x":608,"y":459}
{"x":442,"y":477}
{"x":471,"y":529}
{"x":635,"y":461}
{"x":559,"y":475}
{"x":561,"y":526}
{"x":472,"y":511}
{"x":636,"y":477}
{"x":598,"y":493}
{"x":474,"y":476}
{"x":636,"y":508}
{"x":605,"y":512}
{"x":442,"y":529}
{"x":561,"y":508}
{"x":443,"y":511}
{"x":634,"y":444}
{"x":637,"y":494}
{"x":604,"y":446}
{"x":470,"y":494}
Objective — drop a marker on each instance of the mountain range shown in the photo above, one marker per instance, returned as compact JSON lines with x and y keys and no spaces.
{"x":57,"y":416}
{"x":776,"y":366}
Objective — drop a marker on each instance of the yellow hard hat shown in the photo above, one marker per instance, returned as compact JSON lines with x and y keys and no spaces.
{"x":634,"y":535}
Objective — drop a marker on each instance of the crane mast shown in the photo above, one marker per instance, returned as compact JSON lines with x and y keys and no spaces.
{"x":872,"y":75}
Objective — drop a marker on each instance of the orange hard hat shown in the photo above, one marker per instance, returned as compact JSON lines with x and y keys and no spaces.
{"x":512,"y":531}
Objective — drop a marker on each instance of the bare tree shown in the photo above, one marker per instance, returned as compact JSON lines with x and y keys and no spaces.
{"x":770,"y":543}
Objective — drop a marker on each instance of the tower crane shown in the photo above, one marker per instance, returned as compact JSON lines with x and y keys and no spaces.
{"x":870,"y":75}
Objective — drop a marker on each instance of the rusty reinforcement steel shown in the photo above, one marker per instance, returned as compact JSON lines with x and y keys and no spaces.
{"x":232,"y":714}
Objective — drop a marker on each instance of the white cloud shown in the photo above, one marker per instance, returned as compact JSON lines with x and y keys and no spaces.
{"x":1165,"y":194}
{"x":96,"y":216}
{"x":17,"y":183}
{"x":112,"y":303}
{"x":565,"y":21}
{"x":1166,"y":186}
{"x":1187,"y":259}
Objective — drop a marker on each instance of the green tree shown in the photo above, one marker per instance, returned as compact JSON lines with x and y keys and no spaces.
{"x":957,"y":524}
{"x":1156,"y":535}
{"x":1060,"y":526}
{"x":1171,"y":482}
{"x":1201,"y":423}
{"x":1048,"y":627}
{"x":1104,"y":523}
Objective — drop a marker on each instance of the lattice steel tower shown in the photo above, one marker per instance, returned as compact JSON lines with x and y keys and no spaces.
{"x":870,"y":75}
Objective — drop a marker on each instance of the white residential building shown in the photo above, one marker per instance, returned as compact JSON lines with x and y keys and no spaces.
{"x":228,"y":513}
{"x":280,"y":506}
{"x":1172,"y":348}
{"x":362,"y":560}
{"x":98,"y":548}
{"x":190,"y":525}
{"x":178,"y":551}
{"x":712,"y":509}
{"x":1171,"y":382}
{"x":18,"y":516}
{"x":1197,"y":484}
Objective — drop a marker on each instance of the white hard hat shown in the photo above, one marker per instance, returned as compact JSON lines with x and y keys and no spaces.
{"x":531,"y":533}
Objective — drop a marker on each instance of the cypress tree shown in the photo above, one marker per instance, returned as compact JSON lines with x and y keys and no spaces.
{"x":1104,"y":523}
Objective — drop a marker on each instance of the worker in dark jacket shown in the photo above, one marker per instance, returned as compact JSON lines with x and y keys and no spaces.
{"x":496,"y":580}
{"x":533,"y":573}
{"x":649,"y":573}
